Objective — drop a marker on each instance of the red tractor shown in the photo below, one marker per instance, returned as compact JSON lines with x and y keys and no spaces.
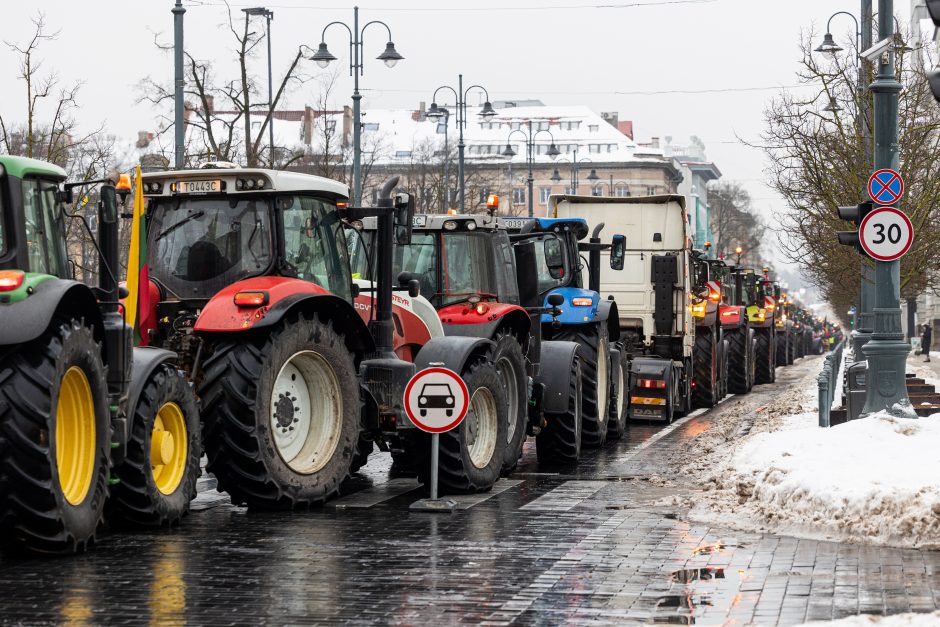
{"x":253,"y":286}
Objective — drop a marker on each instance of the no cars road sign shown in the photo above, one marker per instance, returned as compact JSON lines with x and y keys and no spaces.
{"x":886,"y":234}
{"x":885,"y":187}
{"x":436,"y":400}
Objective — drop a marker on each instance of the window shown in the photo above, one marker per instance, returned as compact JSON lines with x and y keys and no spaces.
{"x":370,"y":126}
{"x":476,"y":271}
{"x":329,"y":126}
{"x":611,"y":147}
{"x":593,"y":128}
{"x":544,"y":193}
{"x":442,"y":127}
{"x":357,"y":243}
{"x":594,"y":149}
{"x":570,"y":190}
{"x":545,"y":280}
{"x":597,"y":190}
{"x":542,"y":126}
{"x":484,"y":192}
{"x":45,"y":246}
{"x":255,"y":126}
{"x":622,"y":191}
{"x":402,"y":154}
{"x":571,"y":125}
{"x":315,"y":243}
{"x":515,"y":125}
{"x":650,"y":190}
{"x":518,"y":195}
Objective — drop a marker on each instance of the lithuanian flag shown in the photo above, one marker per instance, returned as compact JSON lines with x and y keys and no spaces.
{"x":137,"y":305}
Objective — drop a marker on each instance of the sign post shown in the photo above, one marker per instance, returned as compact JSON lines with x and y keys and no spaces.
{"x":436,"y":401}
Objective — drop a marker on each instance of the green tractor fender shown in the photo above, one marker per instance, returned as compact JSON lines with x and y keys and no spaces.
{"x":27,"y":315}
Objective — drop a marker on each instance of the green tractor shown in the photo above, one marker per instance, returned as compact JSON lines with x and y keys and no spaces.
{"x":90,"y":427}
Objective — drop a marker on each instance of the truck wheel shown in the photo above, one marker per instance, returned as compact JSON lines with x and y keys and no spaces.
{"x":470,"y":457}
{"x":55,"y":441}
{"x":764,"y":362}
{"x":559,"y":442}
{"x":510,"y":364}
{"x":738,"y":362}
{"x":707,"y":365}
{"x":594,"y":350}
{"x":281,"y":415}
{"x":619,"y":401}
{"x":158,"y":476}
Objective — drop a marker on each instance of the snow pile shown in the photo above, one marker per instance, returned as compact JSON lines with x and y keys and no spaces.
{"x":897,"y":620}
{"x":873,"y":480}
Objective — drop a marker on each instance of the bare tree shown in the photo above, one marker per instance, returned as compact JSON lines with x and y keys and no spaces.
{"x":819,"y":160}
{"x":224,"y":111}
{"x":734,"y":222}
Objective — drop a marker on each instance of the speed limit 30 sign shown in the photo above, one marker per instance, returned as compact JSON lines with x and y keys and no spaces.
{"x":886,"y":234}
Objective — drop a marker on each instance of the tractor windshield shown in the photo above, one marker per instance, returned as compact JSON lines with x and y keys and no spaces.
{"x":315,"y":243}
{"x":468,"y":268}
{"x":45,"y":241}
{"x":197,"y":246}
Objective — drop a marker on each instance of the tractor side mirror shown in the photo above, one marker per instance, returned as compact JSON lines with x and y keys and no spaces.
{"x":414,"y":288}
{"x":404,"y":217}
{"x":554,"y":257}
{"x":618,"y":250}
{"x":109,"y":204}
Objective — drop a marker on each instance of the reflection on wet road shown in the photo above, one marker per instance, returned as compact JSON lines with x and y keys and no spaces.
{"x":547,"y":546}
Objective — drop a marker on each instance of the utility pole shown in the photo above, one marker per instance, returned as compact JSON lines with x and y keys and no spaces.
{"x":179,"y":82}
{"x":865,"y":320}
{"x":887,"y":351}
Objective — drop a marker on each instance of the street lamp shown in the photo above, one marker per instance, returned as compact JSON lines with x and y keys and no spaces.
{"x":437,"y":114}
{"x":530,"y":155}
{"x":268,"y":16}
{"x":738,"y":251}
{"x":575,"y":167}
{"x":323,"y":58}
{"x":461,"y":105}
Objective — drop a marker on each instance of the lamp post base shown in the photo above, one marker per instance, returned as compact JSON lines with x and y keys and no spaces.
{"x":887,"y":353}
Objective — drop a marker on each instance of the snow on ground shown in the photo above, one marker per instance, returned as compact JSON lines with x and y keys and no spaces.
{"x":897,"y":620}
{"x":871,"y":481}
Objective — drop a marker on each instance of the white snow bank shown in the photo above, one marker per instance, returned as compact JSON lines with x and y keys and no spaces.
{"x":897,"y":620}
{"x":874,"y":480}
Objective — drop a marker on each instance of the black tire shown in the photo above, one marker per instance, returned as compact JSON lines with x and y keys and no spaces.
{"x":35,"y":515}
{"x":136,"y":500}
{"x":707,"y":369}
{"x":739,"y":363}
{"x":791,"y":348}
{"x":723,"y":385}
{"x":364,"y":448}
{"x":457,"y":473}
{"x":510,"y":364}
{"x":781,"y":352}
{"x":618,"y":414}
{"x":559,"y":442}
{"x":239,"y":435}
{"x":593,"y":345}
{"x":764,"y":356}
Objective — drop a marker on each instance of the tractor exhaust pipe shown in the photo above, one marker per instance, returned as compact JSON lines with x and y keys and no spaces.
{"x":382,"y":325}
{"x":594,"y":260}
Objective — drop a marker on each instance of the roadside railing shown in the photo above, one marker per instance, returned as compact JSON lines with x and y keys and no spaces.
{"x":827,"y":382}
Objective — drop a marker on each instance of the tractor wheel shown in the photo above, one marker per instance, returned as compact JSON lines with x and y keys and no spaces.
{"x":55,"y":441}
{"x":707,"y":369}
{"x":559,"y":442}
{"x":619,"y":399}
{"x":739,"y":363}
{"x":281,"y":415}
{"x":764,"y":362}
{"x":723,"y":384}
{"x":510,"y":364}
{"x":594,"y":349}
{"x":791,"y":349}
{"x":158,"y":476}
{"x":470,"y":457}
{"x":781,"y":352}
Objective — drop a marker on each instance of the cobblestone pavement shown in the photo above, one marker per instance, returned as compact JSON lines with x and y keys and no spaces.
{"x":591,"y":546}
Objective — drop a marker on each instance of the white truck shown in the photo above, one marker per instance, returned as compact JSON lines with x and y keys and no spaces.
{"x":654,"y":294}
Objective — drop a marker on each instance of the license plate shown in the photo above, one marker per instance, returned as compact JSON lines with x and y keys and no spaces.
{"x":510,"y":223}
{"x":198,"y":187}
{"x":419,"y":221}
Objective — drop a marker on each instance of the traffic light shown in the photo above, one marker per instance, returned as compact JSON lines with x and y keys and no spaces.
{"x":854,"y":214}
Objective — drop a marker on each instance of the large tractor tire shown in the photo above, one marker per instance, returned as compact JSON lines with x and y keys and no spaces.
{"x":594,"y":350}
{"x":723,"y":384}
{"x":55,"y":441}
{"x":157,"y":479}
{"x":791,"y":348}
{"x":510,"y":364}
{"x":739,"y":361}
{"x":618,"y":414}
{"x":707,"y":368}
{"x":281,"y":415}
{"x":559,"y":442}
{"x":765,"y":368}
{"x":782,"y":349}
{"x":470,"y":457}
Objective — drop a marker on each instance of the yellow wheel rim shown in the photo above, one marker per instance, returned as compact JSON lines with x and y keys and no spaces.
{"x":169,"y":442}
{"x":75,"y":436}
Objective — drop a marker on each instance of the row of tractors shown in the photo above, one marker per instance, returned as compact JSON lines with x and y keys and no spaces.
{"x":276,"y":328}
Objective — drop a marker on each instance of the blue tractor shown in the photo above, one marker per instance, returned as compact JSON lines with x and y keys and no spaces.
{"x":586,"y":318}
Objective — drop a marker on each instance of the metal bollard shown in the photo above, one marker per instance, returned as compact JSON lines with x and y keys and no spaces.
{"x":825,"y":396}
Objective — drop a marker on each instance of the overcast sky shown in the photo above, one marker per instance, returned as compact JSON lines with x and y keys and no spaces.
{"x":611,"y":55}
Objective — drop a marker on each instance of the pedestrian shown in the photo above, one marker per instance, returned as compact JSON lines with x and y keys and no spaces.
{"x":925,"y":340}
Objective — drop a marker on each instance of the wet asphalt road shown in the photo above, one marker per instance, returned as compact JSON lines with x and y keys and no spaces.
{"x":586,"y":545}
